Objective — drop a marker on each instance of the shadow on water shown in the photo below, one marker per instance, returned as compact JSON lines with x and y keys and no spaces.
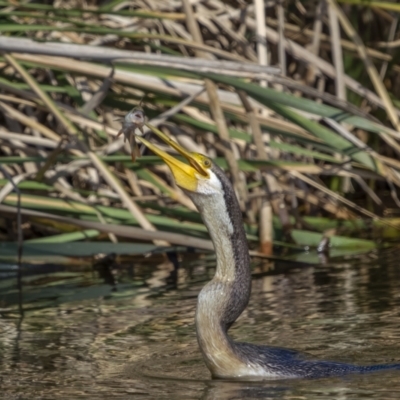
{"x":125,"y":328}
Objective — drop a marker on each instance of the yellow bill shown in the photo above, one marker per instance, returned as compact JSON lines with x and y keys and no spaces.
{"x":185,"y":175}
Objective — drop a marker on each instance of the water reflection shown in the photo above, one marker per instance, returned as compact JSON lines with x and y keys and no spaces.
{"x":79,"y":338}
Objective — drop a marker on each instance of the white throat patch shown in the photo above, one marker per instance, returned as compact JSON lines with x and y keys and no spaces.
{"x":209,"y":186}
{"x":209,"y":199}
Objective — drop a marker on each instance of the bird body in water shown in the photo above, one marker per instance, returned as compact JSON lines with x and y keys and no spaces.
{"x":224,"y":298}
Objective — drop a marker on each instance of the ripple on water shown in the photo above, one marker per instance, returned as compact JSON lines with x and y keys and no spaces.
{"x":143,"y":345}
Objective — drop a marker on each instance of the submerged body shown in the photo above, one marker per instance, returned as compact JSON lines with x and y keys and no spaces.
{"x":224,"y":298}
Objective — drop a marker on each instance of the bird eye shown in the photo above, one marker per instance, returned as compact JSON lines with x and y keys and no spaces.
{"x":207,"y":163}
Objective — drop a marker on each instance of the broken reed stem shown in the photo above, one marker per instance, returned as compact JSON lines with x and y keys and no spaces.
{"x":266,"y":229}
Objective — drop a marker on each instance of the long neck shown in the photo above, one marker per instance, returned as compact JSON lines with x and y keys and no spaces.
{"x":225,"y":297}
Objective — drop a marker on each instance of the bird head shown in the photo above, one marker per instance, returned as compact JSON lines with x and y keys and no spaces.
{"x":195,"y":176}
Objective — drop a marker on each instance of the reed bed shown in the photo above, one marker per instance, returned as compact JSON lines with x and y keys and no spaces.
{"x":297,"y":100}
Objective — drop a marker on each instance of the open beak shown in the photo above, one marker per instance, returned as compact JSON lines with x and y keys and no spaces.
{"x":185,"y":175}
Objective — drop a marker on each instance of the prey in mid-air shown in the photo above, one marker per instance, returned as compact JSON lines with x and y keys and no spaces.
{"x":135,"y":119}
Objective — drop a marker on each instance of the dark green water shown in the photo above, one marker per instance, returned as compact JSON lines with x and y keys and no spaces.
{"x":80,"y":339}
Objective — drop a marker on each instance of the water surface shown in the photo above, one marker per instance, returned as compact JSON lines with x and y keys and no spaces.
{"x":81,"y":338}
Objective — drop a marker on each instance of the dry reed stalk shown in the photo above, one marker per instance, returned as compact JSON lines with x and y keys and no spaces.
{"x":262,"y":50}
{"x":216,"y":111}
{"x":72,"y":131}
{"x":266,"y":229}
{"x":31,"y":133}
{"x":371,"y":69}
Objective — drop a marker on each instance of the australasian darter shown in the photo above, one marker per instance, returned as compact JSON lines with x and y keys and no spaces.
{"x":224,"y":298}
